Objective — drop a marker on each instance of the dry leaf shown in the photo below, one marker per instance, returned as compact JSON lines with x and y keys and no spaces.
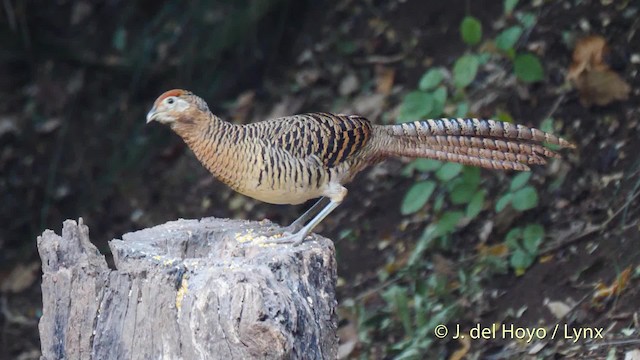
{"x":590,"y":74}
{"x":242,"y":107}
{"x":385,"y":77}
{"x":601,"y":88}
{"x":588,"y":55}
{"x":603,"y":291}
{"x":443,"y":266}
{"x":349,"y":85}
{"x":462,"y":352}
{"x":22,"y":277}
{"x":499,"y":250}
{"x":558,"y":308}
{"x":632,"y":355}
{"x":349,"y":340}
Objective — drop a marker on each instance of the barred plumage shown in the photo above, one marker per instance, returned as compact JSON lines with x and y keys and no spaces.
{"x":293,"y":159}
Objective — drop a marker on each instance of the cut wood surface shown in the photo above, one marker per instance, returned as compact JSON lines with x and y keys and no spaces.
{"x":187,"y":289}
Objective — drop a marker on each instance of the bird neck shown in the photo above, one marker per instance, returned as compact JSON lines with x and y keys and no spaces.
{"x":211,"y":140}
{"x":196,"y":127}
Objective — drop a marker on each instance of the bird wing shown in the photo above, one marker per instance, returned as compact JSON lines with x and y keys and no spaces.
{"x":329,"y":139}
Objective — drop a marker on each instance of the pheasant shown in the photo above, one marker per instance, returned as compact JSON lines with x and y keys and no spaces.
{"x":292,"y":159}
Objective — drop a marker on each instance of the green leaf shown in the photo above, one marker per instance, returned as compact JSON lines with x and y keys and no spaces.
{"x":465,"y":70}
{"x":520,"y":261}
{"x":471,"y":30}
{"x":424,"y":242}
{"x":439,"y":101}
{"x":402,"y":306}
{"x":547,"y":126}
{"x":525,"y":198}
{"x":476,"y":204}
{"x":504,"y":116}
{"x":509,"y":5}
{"x":462,"y":109}
{"x":415,"y":106}
{"x":512,"y":237}
{"x":430,"y":79}
{"x":503,"y":202}
{"x":471,"y":175}
{"x":483,"y":58}
{"x":528,"y":68}
{"x":424,"y":165}
{"x":462,"y":193}
{"x":438,"y":203}
{"x":527,"y":19}
{"x":417,"y":196}
{"x":507,"y":38}
{"x":448,"y":222}
{"x":448,"y":171}
{"x":532,"y":237}
{"x":519,"y":180}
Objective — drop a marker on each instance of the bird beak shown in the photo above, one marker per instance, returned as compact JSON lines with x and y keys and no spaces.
{"x":151,"y":115}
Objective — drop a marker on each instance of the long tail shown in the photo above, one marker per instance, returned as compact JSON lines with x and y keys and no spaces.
{"x":485,"y":143}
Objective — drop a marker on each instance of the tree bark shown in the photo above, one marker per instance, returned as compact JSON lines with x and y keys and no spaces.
{"x":187,"y":289}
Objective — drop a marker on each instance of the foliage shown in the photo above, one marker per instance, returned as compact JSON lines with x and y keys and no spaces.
{"x":528,"y":68}
{"x":471,"y":30}
{"x":524,"y":244}
{"x":452,"y":195}
{"x":520,"y":196}
{"x":465,"y":70}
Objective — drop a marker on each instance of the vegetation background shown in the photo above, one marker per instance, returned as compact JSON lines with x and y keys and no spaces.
{"x":419,"y":243}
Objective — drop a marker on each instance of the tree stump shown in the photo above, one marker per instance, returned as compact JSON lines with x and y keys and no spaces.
{"x":187,"y":289}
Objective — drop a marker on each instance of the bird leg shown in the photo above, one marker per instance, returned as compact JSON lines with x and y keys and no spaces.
{"x":311,"y":212}
{"x":336,"y":195}
{"x":297,"y":238}
{"x":298,"y":223}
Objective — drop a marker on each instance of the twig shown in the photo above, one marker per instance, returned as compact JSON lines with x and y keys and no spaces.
{"x":592,"y":229}
{"x":555,"y":105}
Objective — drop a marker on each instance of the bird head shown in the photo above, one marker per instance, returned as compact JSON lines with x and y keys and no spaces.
{"x":175,"y":105}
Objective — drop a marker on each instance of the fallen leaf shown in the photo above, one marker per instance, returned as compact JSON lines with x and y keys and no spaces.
{"x":499,"y":250}
{"x":601,"y":88}
{"x":462,"y":352}
{"x":368,"y":105}
{"x":349,"y":340}
{"x":535,"y":349}
{"x":287,"y":106}
{"x":385,"y":77}
{"x":20,"y":278}
{"x":558,"y":308}
{"x":603,"y":291}
{"x":591,"y":75}
{"x":244,"y":104}
{"x":588,"y":55}
{"x":349,"y":85}
{"x":632,"y":355}
{"x":443,"y":266}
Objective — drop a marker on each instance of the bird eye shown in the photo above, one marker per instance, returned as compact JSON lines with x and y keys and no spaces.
{"x":170,"y":100}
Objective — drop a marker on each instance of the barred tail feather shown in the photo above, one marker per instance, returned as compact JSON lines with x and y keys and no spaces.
{"x":476,"y":128}
{"x":485,"y":143}
{"x":443,"y":155}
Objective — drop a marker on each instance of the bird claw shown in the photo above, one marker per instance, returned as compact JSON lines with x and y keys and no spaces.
{"x":287,"y":238}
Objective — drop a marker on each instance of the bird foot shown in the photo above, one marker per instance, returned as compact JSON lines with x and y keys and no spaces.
{"x":287,"y":238}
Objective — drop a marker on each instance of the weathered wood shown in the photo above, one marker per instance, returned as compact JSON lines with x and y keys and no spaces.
{"x":188,"y":289}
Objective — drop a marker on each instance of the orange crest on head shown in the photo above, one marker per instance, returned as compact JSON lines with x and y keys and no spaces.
{"x":174,"y":92}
